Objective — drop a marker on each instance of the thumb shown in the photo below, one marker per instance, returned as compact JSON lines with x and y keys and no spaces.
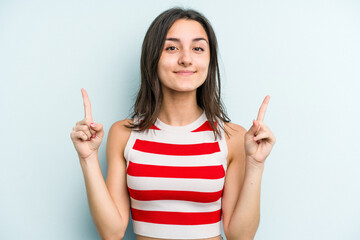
{"x":98,"y":127}
{"x":254,"y":128}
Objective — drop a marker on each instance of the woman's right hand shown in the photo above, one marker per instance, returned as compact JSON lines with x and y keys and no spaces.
{"x":87,"y":135}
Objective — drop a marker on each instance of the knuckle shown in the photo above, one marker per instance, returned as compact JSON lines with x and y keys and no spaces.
{"x":84,"y":127}
{"x":87,"y":133}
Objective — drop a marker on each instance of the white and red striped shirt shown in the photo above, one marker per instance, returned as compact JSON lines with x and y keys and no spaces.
{"x":175,"y":178}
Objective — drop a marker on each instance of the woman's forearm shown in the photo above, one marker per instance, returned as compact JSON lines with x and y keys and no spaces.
{"x":246,"y":216}
{"x":107,"y":219}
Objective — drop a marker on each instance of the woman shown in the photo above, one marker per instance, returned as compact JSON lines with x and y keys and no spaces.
{"x":178,"y":164}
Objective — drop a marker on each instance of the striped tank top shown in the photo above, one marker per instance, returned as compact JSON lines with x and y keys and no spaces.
{"x":175,"y":179}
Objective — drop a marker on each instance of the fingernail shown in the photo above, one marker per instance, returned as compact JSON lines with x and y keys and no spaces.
{"x":93,"y":136}
{"x":93,"y":124}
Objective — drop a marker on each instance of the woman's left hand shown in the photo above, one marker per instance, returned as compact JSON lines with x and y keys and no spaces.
{"x":259,"y":140}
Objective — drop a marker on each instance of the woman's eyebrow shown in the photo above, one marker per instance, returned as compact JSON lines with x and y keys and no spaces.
{"x":199,"y":39}
{"x":178,"y":40}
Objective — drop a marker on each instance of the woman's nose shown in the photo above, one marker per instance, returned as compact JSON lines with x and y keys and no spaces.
{"x":185,"y":58}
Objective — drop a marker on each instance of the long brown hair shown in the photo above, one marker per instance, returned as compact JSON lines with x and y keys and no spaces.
{"x":148,"y":102}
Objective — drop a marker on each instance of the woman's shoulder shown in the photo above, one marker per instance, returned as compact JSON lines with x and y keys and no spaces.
{"x":120,"y":131}
{"x":122,"y":125}
{"x":234,"y":130}
{"x":235,"y":140}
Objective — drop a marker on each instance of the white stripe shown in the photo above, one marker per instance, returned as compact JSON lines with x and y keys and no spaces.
{"x":177,"y":231}
{"x":179,"y":184}
{"x":178,"y":138}
{"x":175,"y":206}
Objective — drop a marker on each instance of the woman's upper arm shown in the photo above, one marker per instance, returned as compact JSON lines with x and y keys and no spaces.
{"x":235,"y":172}
{"x":116,"y":175}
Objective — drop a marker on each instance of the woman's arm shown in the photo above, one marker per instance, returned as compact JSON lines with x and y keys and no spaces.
{"x":109,"y":202}
{"x":247,"y":153}
{"x":241,"y":198}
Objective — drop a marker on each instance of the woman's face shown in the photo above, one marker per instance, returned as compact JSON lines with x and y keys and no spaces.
{"x":184,"y":61}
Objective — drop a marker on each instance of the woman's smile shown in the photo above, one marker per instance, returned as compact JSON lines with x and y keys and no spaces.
{"x":185,"y":72}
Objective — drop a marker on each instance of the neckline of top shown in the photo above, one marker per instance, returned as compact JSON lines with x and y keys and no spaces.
{"x":186,"y":128}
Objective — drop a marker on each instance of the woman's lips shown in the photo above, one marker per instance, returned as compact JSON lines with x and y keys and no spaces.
{"x":185,"y":73}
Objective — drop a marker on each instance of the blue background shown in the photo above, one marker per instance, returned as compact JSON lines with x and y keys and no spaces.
{"x":305,"y":54}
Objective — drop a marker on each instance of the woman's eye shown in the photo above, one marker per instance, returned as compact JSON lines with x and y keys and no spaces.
{"x":199,"y":49}
{"x":172,"y":48}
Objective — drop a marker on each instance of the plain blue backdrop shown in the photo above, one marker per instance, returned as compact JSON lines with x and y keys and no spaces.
{"x":305,"y":54}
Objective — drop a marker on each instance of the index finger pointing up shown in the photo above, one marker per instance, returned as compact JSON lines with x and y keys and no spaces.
{"x":262,"y":109}
{"x":87,"y":105}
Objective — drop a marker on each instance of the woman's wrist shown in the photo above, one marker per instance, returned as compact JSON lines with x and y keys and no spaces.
{"x":90,"y":160}
{"x":253,"y":165}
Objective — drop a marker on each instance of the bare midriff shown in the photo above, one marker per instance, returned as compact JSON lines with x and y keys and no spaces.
{"x":139,"y":237}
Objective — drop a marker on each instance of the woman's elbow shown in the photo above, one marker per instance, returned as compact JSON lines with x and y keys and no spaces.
{"x":117,"y":236}
{"x":240,"y":235}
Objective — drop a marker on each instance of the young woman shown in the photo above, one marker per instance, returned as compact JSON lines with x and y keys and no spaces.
{"x":179,"y":165}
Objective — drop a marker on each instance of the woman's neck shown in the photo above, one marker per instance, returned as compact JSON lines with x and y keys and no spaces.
{"x":179,"y":109}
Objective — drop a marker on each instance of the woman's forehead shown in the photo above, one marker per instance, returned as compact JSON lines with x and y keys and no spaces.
{"x":185,"y":29}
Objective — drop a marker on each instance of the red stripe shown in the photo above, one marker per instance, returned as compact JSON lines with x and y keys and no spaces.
{"x":176,"y":149}
{"x":154,"y":127}
{"x":150,"y":195}
{"x":203,"y":172}
{"x":151,"y":127}
{"x":178,"y":218}
{"x":205,"y":127}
